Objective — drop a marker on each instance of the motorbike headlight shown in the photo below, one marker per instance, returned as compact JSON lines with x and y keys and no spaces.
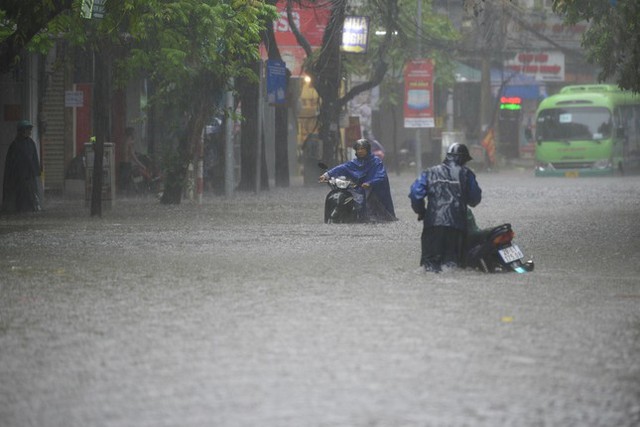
{"x":342,"y":183}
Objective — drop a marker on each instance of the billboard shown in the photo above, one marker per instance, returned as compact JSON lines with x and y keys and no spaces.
{"x":418,"y":94}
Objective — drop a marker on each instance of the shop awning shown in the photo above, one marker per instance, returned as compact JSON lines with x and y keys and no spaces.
{"x":517,"y":84}
{"x":466,"y":74}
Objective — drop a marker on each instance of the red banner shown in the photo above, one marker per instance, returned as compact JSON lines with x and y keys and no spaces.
{"x":418,"y":94}
{"x":311,"y":20}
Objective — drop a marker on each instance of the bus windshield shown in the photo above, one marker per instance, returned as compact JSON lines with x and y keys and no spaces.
{"x":574,"y":123}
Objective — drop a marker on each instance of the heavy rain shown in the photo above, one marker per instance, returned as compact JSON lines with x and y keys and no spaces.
{"x":166,"y":255}
{"x":249,"y":310}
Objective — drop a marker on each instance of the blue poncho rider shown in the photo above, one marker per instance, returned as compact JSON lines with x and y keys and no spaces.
{"x":373,"y":193}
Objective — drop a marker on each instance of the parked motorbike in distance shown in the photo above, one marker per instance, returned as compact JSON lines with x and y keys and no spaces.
{"x":492,"y":250}
{"x":340,"y":205}
{"x":147,"y":180}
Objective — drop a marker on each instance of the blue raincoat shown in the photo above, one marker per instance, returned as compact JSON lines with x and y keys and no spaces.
{"x":370,"y":169}
{"x":449,"y":189}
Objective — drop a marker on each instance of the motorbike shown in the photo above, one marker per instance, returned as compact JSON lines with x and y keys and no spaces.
{"x":145,"y":180}
{"x":492,"y":250}
{"x":342,"y":202}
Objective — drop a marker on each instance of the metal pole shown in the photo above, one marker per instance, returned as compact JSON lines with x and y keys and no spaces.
{"x":450,"y":110}
{"x":200,"y":169}
{"x":260,"y":130}
{"x":419,"y":53}
{"x":229,"y":163}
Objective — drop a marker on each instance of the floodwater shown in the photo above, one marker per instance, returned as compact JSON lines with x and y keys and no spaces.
{"x":249,"y":311}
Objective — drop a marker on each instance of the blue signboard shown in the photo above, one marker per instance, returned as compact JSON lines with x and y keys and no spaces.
{"x":276,"y":81}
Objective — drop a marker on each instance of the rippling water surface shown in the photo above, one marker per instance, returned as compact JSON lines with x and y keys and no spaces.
{"x":249,"y":311}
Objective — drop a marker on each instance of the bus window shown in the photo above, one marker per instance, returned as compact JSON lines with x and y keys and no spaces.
{"x":574,"y":123}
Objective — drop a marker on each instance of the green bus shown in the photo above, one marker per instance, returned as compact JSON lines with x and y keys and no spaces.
{"x":588,"y":130}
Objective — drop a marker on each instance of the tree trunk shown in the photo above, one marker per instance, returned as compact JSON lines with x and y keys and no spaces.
{"x":327,"y":75}
{"x":176,"y":171}
{"x":101,"y":108}
{"x":249,"y":94}
{"x":186,"y":152}
{"x":282,"y":145}
{"x":281,"y":116}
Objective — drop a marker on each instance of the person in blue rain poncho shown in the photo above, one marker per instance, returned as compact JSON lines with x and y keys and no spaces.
{"x":449,"y":188}
{"x":368,"y":172}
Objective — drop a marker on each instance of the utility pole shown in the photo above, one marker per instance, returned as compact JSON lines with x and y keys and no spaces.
{"x":419,"y":54}
{"x":260,"y":127}
{"x":229,"y":159}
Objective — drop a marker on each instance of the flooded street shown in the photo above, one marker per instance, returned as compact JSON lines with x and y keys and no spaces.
{"x":250,"y":311}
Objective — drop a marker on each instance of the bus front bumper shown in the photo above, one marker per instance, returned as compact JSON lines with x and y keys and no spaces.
{"x":567,"y":171}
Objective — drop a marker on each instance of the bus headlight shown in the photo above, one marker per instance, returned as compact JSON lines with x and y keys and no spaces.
{"x":602,"y":164}
{"x":541,"y":167}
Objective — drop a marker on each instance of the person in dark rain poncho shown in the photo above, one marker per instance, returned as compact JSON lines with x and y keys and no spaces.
{"x":449,"y":188}
{"x":368,"y":172}
{"x":22,"y":168}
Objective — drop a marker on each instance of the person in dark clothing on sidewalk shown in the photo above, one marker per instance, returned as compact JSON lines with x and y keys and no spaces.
{"x":449,"y":188}
{"x":21,"y":173}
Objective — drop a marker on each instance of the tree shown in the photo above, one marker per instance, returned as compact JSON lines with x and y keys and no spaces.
{"x":612,"y":39}
{"x":281,"y":119}
{"x":188,"y":48}
{"x":436,"y":38}
{"x":248,"y":90}
{"x":191,"y":49}
{"x":328,"y":65}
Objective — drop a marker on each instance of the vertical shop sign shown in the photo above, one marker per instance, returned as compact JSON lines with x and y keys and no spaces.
{"x":418,"y":94}
{"x":276,"y":81}
{"x":355,"y":34}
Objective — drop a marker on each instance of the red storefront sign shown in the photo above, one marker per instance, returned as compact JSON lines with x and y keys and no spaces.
{"x":548,"y":66}
{"x":418,"y":94}
{"x":310,"y":21}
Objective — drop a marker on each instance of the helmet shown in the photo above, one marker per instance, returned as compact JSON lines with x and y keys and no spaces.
{"x":24,"y":124}
{"x":362,"y":143}
{"x":460,"y":152}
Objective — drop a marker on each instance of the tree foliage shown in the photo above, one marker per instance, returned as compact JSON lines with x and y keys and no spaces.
{"x":436,"y":37}
{"x":24,"y":23}
{"x":612,"y":40}
{"x":179,"y":41}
